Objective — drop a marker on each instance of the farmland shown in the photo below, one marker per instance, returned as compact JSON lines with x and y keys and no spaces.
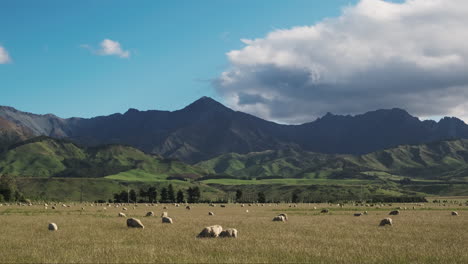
{"x":424,"y":233}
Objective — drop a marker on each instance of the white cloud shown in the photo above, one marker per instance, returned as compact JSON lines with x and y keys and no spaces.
{"x":109,"y":47}
{"x":4,"y":56}
{"x":377,"y":54}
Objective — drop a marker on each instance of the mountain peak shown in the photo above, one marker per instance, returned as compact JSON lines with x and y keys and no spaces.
{"x":206,"y":103}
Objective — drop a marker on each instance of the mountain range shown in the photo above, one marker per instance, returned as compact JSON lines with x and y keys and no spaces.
{"x":207,"y":129}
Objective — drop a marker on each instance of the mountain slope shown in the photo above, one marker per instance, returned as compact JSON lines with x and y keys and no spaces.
{"x":48,"y":157}
{"x":206,"y":129}
{"x":443,"y":160}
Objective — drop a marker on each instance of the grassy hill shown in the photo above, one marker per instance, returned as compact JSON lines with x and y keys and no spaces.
{"x":48,"y":168}
{"x":45,"y":157}
{"x":440,"y":160}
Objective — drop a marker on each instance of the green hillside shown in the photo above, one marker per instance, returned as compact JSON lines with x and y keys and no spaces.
{"x":446,"y":160}
{"x":48,"y":168}
{"x":44,"y":157}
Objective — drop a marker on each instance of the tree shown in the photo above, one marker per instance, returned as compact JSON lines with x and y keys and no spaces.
{"x":133,"y":196}
{"x":295,"y":196}
{"x":8,"y":189}
{"x":193,"y":194}
{"x":152,"y":194}
{"x":164,"y":195}
{"x":143,"y":193}
{"x":121,"y":197}
{"x":180,"y":196}
{"x":238,"y":195}
{"x":171,"y":194}
{"x":261,"y":197}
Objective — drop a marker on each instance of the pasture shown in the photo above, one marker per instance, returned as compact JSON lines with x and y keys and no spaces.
{"x":426,"y":234}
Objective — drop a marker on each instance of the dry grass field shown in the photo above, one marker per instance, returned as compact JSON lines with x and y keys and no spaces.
{"x":426,"y":234}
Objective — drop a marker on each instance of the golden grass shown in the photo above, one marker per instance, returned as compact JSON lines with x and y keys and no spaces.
{"x":428,"y":234}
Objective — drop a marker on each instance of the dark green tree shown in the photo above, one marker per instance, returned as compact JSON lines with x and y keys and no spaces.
{"x":261,"y":197}
{"x":171,"y":194}
{"x":180,"y":196}
{"x":164,"y":195}
{"x":295,"y":196}
{"x":133,"y":196}
{"x":193,"y":194}
{"x":8,"y":189}
{"x":238,"y":195}
{"x":152,"y":194}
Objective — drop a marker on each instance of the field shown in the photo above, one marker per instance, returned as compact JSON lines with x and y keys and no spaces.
{"x":425,"y":234}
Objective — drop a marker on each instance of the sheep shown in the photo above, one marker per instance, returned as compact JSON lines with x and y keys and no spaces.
{"x":150,"y":214}
{"x":188,"y":207}
{"x":455,"y":213}
{"x":125,"y":209}
{"x":210,"y":213}
{"x":325,"y":211}
{"x":53,"y":227}
{"x":229,"y":233}
{"x":134,"y":223}
{"x":279,"y":218}
{"x":285,"y":216}
{"x":358,"y":214}
{"x":386,"y":221}
{"x":167,"y":220}
{"x":396,"y":212}
{"x":223,"y":206}
{"x":164,"y":214}
{"x":210,"y":231}
{"x":53,"y":207}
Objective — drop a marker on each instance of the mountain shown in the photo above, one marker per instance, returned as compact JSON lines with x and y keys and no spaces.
{"x":206,"y":129}
{"x":444,"y":160}
{"x":44,"y":157}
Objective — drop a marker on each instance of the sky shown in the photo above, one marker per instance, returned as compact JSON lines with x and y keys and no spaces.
{"x":289,"y":61}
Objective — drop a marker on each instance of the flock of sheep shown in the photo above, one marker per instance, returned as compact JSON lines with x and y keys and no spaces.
{"x":216,"y":230}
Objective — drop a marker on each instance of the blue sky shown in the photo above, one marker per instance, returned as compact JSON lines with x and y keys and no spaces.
{"x":175,"y":48}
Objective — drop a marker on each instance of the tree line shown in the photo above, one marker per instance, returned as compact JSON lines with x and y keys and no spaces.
{"x":164,"y":195}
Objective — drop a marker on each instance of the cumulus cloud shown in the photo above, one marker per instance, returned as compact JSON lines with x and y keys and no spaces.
{"x":109,"y":47}
{"x":376,"y":54}
{"x":4,"y":56}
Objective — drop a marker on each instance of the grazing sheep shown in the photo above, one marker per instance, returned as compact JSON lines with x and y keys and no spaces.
{"x":167,"y":220}
{"x":134,"y":223}
{"x":164,"y":214}
{"x":188,"y":207}
{"x":242,"y":205}
{"x":53,"y":227}
{"x":53,"y":207}
{"x":150,"y":214}
{"x":279,"y":218}
{"x":396,"y":212}
{"x":210,"y":213}
{"x":386,"y":221}
{"x":246,"y":211}
{"x":229,"y":233}
{"x":455,"y":213}
{"x":210,"y":231}
{"x":125,"y":209}
{"x":285,"y":216}
{"x":366,"y":213}
{"x":165,"y":207}
{"x":325,"y":211}
{"x":122,"y":215}
{"x":358,"y":214}
{"x":223,"y":206}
